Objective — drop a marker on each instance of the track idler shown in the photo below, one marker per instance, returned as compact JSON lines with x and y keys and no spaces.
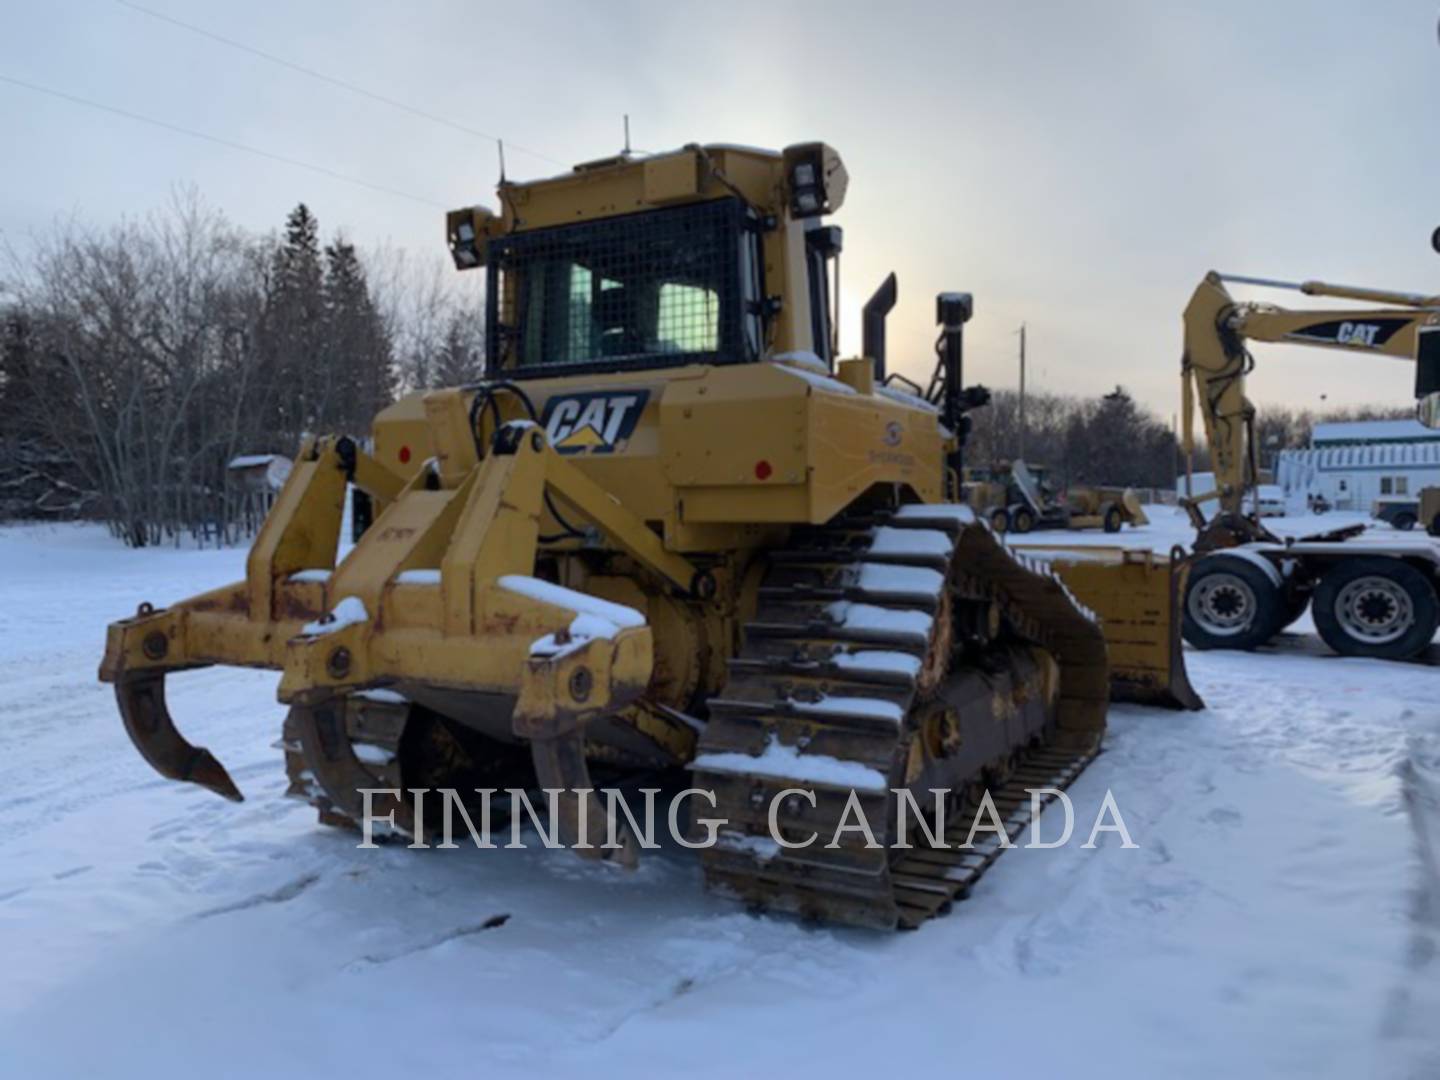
{"x":141,"y":695}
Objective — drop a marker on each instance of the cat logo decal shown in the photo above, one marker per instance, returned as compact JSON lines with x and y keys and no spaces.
{"x":593,"y":423}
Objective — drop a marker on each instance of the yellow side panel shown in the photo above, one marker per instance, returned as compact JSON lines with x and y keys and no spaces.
{"x":672,"y":178}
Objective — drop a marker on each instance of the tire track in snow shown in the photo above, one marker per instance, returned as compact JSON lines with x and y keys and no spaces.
{"x":492,"y":923}
{"x":285,"y":893}
{"x":1411,"y":1008}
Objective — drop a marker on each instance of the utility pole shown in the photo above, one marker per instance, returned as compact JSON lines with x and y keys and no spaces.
{"x":1022,"y":391}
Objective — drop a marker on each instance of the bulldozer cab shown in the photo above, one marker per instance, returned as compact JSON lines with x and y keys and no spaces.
{"x":646,"y":311}
{"x":707,"y":255}
{"x":658,"y":288}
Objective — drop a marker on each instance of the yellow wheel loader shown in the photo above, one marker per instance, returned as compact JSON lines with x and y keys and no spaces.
{"x":670,"y":531}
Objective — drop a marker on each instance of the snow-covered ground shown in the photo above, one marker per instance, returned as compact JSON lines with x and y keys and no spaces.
{"x":1279,"y":917}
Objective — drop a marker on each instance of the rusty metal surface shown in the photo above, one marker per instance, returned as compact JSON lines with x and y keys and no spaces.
{"x":147,"y":721}
{"x":328,"y":732}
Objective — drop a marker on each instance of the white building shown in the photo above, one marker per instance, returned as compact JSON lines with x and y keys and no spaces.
{"x":1359,"y":463}
{"x":261,"y":471}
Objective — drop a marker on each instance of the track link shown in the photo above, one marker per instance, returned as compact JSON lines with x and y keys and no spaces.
{"x":866,"y":633}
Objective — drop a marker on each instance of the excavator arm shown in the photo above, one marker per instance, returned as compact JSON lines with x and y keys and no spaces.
{"x":1217,"y":360}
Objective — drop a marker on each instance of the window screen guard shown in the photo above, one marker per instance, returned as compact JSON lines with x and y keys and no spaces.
{"x":650,"y":289}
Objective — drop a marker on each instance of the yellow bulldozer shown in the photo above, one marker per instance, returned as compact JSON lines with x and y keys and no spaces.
{"x":671,"y":530}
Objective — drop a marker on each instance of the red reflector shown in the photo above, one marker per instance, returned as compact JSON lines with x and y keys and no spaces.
{"x":404,"y":455}
{"x":763,"y":470}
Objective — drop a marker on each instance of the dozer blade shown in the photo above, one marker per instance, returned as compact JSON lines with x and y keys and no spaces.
{"x":1137,"y":595}
{"x":147,"y":720}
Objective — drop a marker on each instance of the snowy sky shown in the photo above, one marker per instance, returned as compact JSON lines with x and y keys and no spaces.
{"x":1077,"y":166}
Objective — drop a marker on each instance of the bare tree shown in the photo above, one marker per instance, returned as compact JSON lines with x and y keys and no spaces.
{"x":435,"y":316}
{"x":138,"y":365}
{"x":137,"y":361}
{"x":1109,"y":440}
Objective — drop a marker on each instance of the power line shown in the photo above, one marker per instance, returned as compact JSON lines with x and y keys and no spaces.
{"x":332,"y":80}
{"x":321,"y":169}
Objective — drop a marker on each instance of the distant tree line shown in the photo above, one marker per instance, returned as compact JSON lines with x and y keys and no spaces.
{"x":137,"y":361}
{"x":1112,"y":440}
{"x":1103,"y":440}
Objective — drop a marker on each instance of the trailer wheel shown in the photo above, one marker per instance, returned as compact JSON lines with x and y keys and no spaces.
{"x":1022,"y":519}
{"x":1405,"y":521}
{"x":999,"y":520}
{"x":1112,"y":517}
{"x":1376,"y":606}
{"x":1231,"y":604}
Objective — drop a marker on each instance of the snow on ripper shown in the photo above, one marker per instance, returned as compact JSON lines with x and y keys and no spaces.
{"x":672,"y":530}
{"x":913,"y":820}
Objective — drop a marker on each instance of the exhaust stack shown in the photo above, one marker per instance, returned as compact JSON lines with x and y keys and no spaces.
{"x":873,"y":323}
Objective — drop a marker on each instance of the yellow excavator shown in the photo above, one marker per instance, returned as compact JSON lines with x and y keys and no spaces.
{"x":1377,"y":599}
{"x":672,"y":530}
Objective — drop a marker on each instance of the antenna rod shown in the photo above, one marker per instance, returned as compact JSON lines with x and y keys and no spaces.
{"x":500,"y":146}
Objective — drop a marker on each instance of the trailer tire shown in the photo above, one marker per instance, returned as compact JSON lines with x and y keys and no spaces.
{"x":1112,"y":517}
{"x":1231,"y":604}
{"x":1404,"y":521}
{"x":1376,"y":606}
{"x":999,"y":520}
{"x":1022,"y":519}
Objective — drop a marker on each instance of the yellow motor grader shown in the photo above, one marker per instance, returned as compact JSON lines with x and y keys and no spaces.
{"x":671,"y":530}
{"x":1018,"y":498}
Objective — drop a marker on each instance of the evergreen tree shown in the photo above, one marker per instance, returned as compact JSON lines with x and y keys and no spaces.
{"x":461,"y":359}
{"x":358,"y":356}
{"x":293,"y":329}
